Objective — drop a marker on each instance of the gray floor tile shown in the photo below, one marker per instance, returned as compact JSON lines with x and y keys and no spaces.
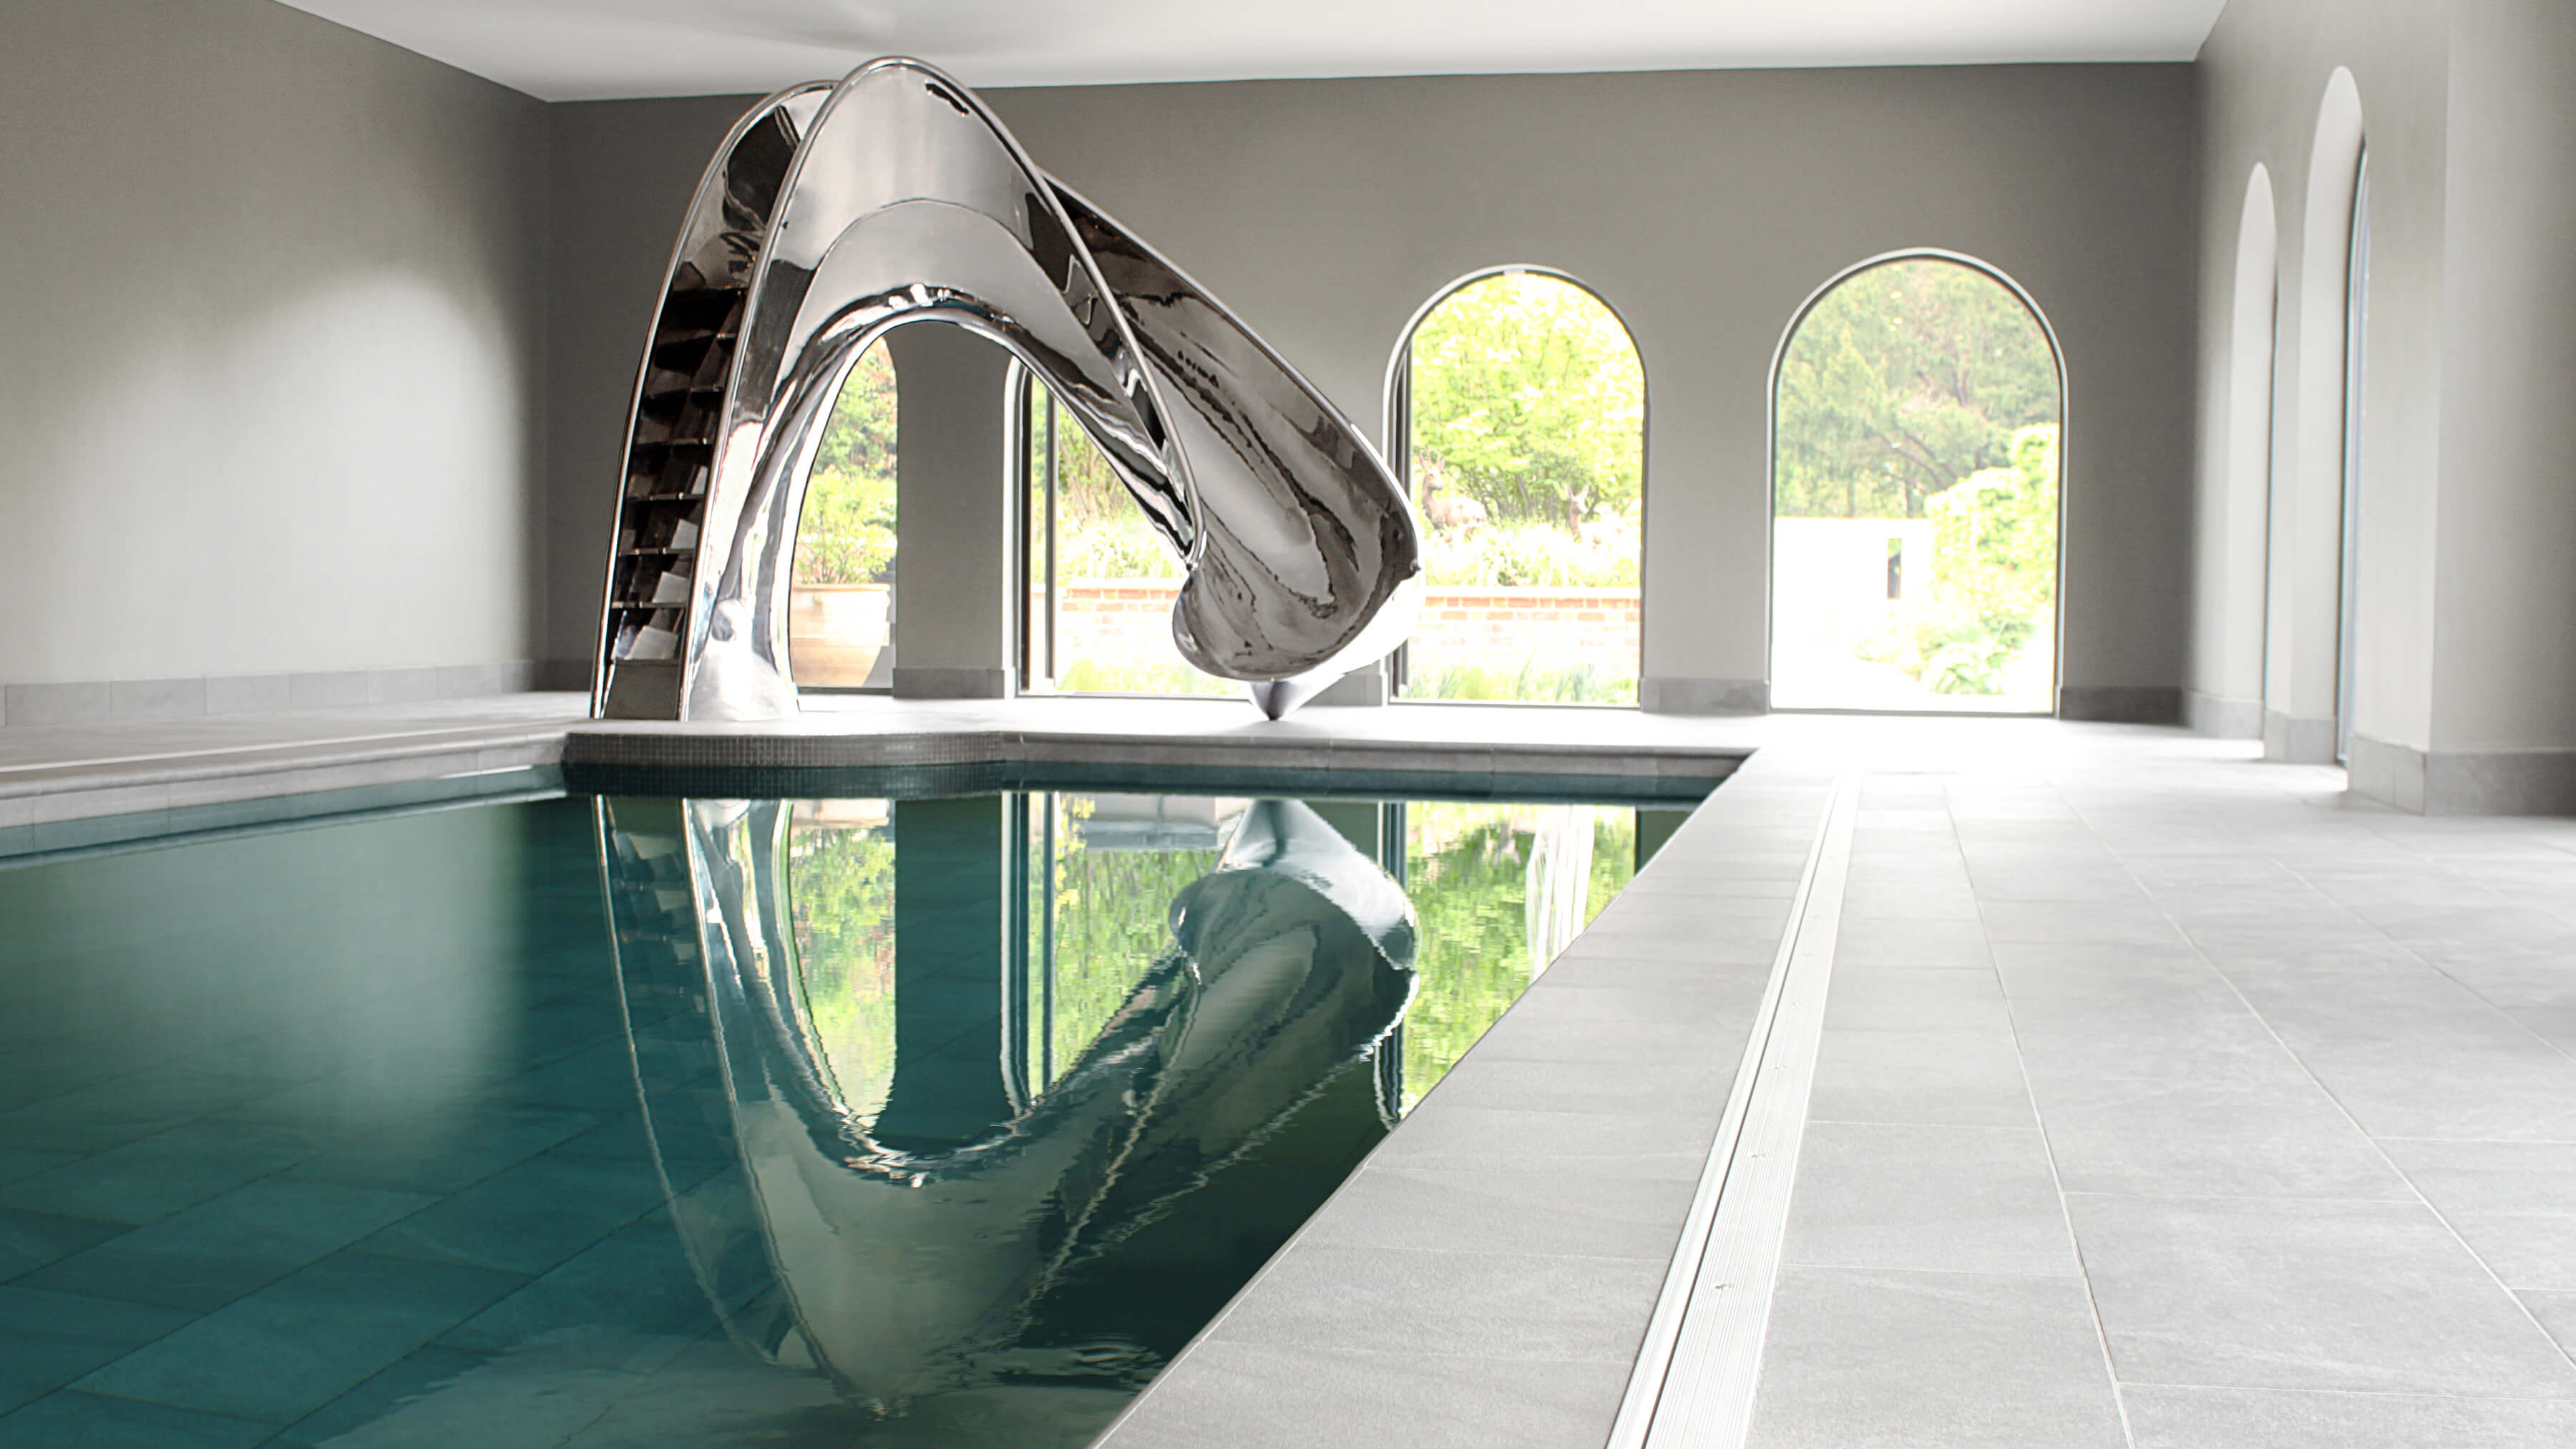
{"x":297,"y":1344}
{"x":1885,"y":999}
{"x":1657,"y":1087}
{"x":1909,"y":901}
{"x":628,"y":1303}
{"x":2513,"y":1202}
{"x":1263,"y":1396}
{"x":1935,"y":1360}
{"x":2556,"y":1312}
{"x":1666,"y":1142}
{"x":1449,"y":1305}
{"x":2190,"y":1418}
{"x":2204,"y":1136}
{"x":2079,"y":923}
{"x":1892,"y":943}
{"x":1927,"y":1198}
{"x":72,"y":1420}
{"x":1595,"y":1214}
{"x":2305,"y":1294}
{"x":1962,"y":1078}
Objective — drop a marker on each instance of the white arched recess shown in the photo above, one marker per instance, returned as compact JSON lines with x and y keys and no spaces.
{"x":2238,"y":558}
{"x":2303,"y":624}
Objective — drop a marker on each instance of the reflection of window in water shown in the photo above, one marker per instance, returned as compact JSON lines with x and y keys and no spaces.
{"x":841,"y":880}
{"x":1498,"y":890}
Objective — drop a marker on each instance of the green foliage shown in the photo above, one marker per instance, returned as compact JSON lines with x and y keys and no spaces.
{"x":1140,"y":676}
{"x":847,"y":534}
{"x":1994,"y":581}
{"x":1533,"y":681}
{"x":1527,"y":396}
{"x":1535,"y":554}
{"x":1902,"y":381}
{"x":1466,"y":871}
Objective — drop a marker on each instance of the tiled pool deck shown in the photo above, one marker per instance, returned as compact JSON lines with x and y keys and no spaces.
{"x":2161,"y":1099}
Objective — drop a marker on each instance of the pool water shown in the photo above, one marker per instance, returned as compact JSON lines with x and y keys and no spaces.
{"x":624,"y":1121}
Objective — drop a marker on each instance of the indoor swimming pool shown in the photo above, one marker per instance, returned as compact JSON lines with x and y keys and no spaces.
{"x":894,"y":1117}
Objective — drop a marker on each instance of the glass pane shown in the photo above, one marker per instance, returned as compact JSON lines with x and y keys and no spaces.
{"x":840,"y":603}
{"x":1527,"y":441}
{"x":1914,"y":551}
{"x":1116,"y":581}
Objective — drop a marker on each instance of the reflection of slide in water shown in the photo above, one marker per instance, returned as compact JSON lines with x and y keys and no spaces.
{"x":982,"y":1261}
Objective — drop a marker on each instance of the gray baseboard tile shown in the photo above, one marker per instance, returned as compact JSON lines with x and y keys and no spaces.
{"x":1677,"y":694}
{"x":938,"y":683}
{"x":124,"y":700}
{"x":56,"y":704}
{"x":2482,"y":782}
{"x":2220,"y":717}
{"x":2291,"y":740}
{"x":2160,"y":704}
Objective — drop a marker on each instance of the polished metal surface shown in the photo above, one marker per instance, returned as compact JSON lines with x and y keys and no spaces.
{"x":907,"y":1269}
{"x":909,"y":202}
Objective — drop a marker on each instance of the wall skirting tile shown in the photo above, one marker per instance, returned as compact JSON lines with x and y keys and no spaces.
{"x":951,"y":683}
{"x":2221,"y":717}
{"x":2464,"y":782}
{"x":2393,"y":775}
{"x":2121,"y":703}
{"x":120,"y":700}
{"x":1675,"y":694}
{"x":2290,"y":740}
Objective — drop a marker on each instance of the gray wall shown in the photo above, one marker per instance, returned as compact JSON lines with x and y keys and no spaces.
{"x":1706,"y":207}
{"x":276,"y":346}
{"x":2465,"y":670}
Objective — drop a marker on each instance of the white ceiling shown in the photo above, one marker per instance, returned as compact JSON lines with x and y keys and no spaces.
{"x":592,"y":49}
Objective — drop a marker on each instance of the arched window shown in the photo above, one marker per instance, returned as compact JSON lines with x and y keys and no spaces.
{"x":840,"y":600}
{"x":1915,"y":419}
{"x":1101,"y":583}
{"x":1516,"y":416}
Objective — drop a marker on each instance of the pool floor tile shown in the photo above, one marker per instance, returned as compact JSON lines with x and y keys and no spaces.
{"x":30,"y":1240}
{"x":528,"y":1218}
{"x":159,"y":1175}
{"x":73,"y":1420}
{"x":206,"y":1256}
{"x":305,"y":1340}
{"x":49,"y":1339}
{"x":447,"y":1152}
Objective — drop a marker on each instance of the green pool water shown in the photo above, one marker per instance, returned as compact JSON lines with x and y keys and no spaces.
{"x":874,"y":1119}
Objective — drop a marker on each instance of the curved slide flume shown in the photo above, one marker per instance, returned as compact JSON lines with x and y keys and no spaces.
{"x":909,"y":202}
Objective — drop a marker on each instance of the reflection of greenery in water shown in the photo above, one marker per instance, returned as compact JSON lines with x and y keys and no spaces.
{"x":1467,"y":872}
{"x":1112,"y":913}
{"x":842,"y":886}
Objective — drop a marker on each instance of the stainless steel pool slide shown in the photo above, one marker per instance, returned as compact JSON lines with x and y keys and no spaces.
{"x":834,"y":214}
